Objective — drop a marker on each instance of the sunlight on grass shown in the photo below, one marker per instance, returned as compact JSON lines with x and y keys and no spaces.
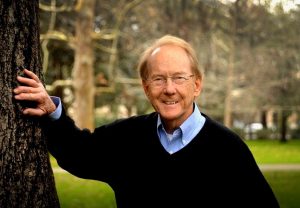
{"x":74,"y":192}
{"x":275,"y":152}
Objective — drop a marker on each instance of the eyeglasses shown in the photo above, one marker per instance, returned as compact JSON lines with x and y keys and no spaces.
{"x":160,"y":81}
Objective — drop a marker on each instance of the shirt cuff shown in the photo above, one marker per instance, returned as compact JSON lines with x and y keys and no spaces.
{"x":55,"y":115}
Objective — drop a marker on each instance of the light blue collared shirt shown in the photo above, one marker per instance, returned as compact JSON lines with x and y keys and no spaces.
{"x":183,"y":135}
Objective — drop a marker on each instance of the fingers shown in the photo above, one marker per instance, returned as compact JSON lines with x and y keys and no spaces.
{"x":28,"y":93}
{"x":44,"y":108}
{"x":27,"y":96}
{"x":32,"y":89}
{"x":25,"y":89}
{"x":31,"y":86}
{"x":33,"y":112}
{"x":28,"y":81}
{"x":32,"y":75}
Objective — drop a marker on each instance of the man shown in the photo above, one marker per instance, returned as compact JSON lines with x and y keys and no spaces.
{"x":173,"y":157}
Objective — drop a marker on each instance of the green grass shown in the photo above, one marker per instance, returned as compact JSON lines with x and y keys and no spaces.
{"x":74,"y":192}
{"x":286,"y":187}
{"x":80,"y":193}
{"x":285,"y":184}
{"x":275,"y":152}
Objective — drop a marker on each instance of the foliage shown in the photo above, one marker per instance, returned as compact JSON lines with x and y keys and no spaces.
{"x":266,"y":134}
{"x":295,"y":133}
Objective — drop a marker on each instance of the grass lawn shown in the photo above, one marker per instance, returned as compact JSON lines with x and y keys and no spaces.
{"x":79,"y":193}
{"x":74,"y":192}
{"x":275,"y":152}
{"x":286,"y":187}
{"x":285,"y":184}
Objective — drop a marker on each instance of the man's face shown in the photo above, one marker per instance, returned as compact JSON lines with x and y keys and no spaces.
{"x":171,"y":86}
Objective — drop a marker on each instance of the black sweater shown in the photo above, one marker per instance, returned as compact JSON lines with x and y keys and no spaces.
{"x":216,"y":169}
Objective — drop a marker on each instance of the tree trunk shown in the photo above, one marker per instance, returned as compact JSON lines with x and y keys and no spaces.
{"x":83,"y":72}
{"x":26,"y":177}
{"x":230,"y":70}
{"x":228,"y":95}
{"x":283,"y":126}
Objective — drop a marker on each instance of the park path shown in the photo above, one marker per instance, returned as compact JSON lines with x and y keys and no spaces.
{"x":287,"y":167}
{"x":263,"y":167}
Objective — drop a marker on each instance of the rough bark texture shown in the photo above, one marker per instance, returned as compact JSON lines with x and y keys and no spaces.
{"x":26,"y":177}
{"x":83,"y":73}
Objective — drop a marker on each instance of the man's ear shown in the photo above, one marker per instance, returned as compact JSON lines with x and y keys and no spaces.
{"x":145,"y":87}
{"x":198,"y":87}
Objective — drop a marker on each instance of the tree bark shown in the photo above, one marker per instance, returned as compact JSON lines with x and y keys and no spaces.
{"x":83,"y":72}
{"x":26,"y":177}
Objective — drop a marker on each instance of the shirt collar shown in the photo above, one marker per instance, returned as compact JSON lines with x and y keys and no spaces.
{"x":189,"y":127}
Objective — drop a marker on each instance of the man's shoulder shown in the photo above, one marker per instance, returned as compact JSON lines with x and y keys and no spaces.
{"x":217,"y":128}
{"x":223,"y":138}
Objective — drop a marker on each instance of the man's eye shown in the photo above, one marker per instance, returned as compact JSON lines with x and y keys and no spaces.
{"x":157,"y":79}
{"x":179,"y":78}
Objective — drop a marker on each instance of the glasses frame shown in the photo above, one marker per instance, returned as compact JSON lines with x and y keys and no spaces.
{"x":161,"y":81}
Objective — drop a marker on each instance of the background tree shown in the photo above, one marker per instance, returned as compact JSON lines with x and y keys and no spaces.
{"x":83,"y":72}
{"x":26,"y":178}
{"x":284,"y":48}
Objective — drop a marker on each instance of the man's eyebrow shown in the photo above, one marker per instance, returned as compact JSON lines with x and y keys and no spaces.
{"x":157,"y":75}
{"x":175,"y":74}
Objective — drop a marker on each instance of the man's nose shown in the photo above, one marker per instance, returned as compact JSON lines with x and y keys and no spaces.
{"x":170,"y":86}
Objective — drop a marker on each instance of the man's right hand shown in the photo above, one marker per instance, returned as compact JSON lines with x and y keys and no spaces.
{"x":33,"y":90}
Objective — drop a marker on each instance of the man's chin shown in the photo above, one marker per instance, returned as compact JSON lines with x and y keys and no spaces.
{"x":169,"y":116}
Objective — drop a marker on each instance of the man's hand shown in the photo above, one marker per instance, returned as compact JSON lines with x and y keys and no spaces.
{"x":33,"y":90}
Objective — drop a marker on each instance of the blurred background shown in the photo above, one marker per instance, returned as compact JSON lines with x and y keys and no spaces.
{"x":248,"y":50}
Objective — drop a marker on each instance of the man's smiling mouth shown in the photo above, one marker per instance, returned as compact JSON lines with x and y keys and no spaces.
{"x":170,"y":102}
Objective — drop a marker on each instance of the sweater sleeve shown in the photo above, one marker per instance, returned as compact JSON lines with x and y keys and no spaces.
{"x":81,"y":152}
